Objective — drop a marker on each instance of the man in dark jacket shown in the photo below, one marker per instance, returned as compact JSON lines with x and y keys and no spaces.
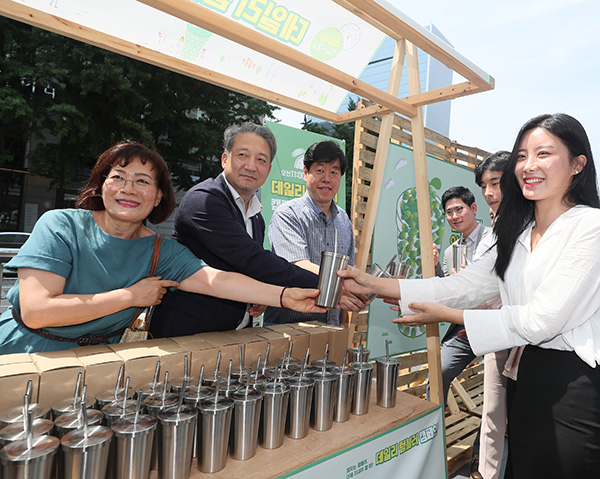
{"x":219,"y":220}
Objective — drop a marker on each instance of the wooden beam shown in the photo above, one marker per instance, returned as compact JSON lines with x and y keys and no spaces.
{"x":359,"y":114}
{"x":442,"y":94}
{"x":78,"y":32}
{"x":205,"y":18}
{"x":424,"y":212}
{"x":383,"y":144}
{"x":399,"y":26}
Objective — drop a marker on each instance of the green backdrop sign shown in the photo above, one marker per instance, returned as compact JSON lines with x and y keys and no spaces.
{"x":286,"y":180}
{"x":397,"y":232}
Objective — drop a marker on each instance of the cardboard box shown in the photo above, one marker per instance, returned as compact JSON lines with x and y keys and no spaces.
{"x":301,"y":341}
{"x":319,"y":338}
{"x":172,"y":356}
{"x":139,"y":360}
{"x":338,"y":338}
{"x":13,"y":383}
{"x":279,"y":341}
{"x":201,"y":351}
{"x":58,"y":375}
{"x":101,"y":368}
{"x":15,"y":358}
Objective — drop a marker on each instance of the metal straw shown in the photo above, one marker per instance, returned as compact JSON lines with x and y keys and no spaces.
{"x":27,"y":421}
{"x":241,"y":359}
{"x":389,"y":265}
{"x":200,"y":379}
{"x":119,"y":378}
{"x":218,"y":364}
{"x":290,"y":355}
{"x":181,"y":394}
{"x":185,"y":366}
{"x":387,"y":351}
{"x":77,"y":388}
{"x":217,"y":392}
{"x":125,"y":394}
{"x":307,"y":354}
{"x":344,"y":361}
{"x":248,"y":382}
{"x":335,"y":241}
{"x":138,"y":406}
{"x":361,"y":349}
{"x":155,"y":380}
{"x":302,"y":369}
{"x":229,"y":373}
{"x":84,"y":416}
{"x":164,"y":392}
{"x":267,"y":354}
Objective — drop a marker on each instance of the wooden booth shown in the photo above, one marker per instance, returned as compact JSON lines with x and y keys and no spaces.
{"x":308,"y":65}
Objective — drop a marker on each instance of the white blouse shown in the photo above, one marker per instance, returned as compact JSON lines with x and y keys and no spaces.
{"x":550,"y":296}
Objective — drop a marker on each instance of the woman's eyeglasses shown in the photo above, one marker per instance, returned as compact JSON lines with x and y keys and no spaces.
{"x":117,"y":181}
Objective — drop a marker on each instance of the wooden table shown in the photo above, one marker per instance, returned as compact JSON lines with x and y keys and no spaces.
{"x":297,"y":453}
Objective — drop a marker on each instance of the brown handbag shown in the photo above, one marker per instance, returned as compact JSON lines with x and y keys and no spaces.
{"x":138,"y":328}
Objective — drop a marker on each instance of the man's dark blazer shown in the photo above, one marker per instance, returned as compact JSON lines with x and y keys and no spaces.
{"x":211,"y":225}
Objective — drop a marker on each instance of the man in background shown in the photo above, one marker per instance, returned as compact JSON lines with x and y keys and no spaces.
{"x":302,"y":228}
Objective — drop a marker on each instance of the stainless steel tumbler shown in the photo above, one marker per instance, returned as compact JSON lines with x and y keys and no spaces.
{"x":345,"y":393}
{"x":175,"y":437}
{"x":85,"y":453}
{"x":133,"y":439}
{"x":21,"y":460}
{"x":247,"y":404}
{"x":387,"y":380}
{"x":330,"y":284}
{"x":362,"y":391}
{"x":212,"y":441}
{"x":274,"y":411}
{"x":300,"y":404}
{"x":324,"y":400}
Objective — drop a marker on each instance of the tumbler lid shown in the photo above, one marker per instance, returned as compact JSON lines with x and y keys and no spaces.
{"x":297,"y":382}
{"x":15,"y":414}
{"x":347,"y":371}
{"x":172,"y":415}
{"x":154,"y":403}
{"x":116,"y":408}
{"x":209,"y":405}
{"x":78,"y":440}
{"x":109,"y":394}
{"x":361,"y":366}
{"x":278,"y":387}
{"x":388,"y":361}
{"x":72,"y":420}
{"x":126,"y":426}
{"x":18,"y":453}
{"x":240,"y":395}
{"x":16,"y":431}
{"x":319,"y":376}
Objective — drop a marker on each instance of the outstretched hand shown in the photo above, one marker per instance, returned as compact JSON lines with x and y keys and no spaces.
{"x":302,"y":300}
{"x":149,"y":291}
{"x":356,"y":281}
{"x":428,"y":313}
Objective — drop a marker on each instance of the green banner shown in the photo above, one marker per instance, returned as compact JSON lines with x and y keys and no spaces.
{"x":286,"y":180}
{"x":397,"y":232}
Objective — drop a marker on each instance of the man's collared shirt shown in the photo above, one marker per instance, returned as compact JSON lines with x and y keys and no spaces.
{"x":300,"y":230}
{"x":254,"y":207}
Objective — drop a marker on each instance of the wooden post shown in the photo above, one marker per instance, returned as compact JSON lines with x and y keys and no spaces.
{"x":424,"y":210}
{"x":383,"y":143}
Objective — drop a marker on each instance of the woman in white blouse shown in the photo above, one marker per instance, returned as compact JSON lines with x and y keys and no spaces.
{"x":546,"y":269}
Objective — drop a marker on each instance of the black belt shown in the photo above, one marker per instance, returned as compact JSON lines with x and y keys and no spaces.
{"x":85,"y":340}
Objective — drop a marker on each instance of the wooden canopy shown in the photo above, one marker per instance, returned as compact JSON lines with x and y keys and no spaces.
{"x":380,"y":15}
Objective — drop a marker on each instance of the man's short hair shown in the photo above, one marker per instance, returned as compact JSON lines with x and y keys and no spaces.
{"x":460,"y":192}
{"x":495,"y":162}
{"x":234,"y":130}
{"x":325,"y":151}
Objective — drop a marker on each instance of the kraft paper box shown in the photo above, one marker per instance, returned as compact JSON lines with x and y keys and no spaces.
{"x":139,"y":360}
{"x":13,"y":384}
{"x":301,"y":340}
{"x":253,"y":345}
{"x":279,"y":344}
{"x":171,"y":356}
{"x":101,"y":368}
{"x":338,"y":339}
{"x":15,"y":358}
{"x":58,"y":375}
{"x":219,"y":338}
{"x":202,"y":352}
{"x":319,"y":338}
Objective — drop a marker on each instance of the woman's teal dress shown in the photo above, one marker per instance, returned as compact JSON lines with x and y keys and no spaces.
{"x":70,"y":243}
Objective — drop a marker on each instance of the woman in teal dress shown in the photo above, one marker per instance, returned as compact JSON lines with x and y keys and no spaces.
{"x":83,"y":273}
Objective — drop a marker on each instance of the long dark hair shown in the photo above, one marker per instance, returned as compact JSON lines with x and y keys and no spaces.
{"x":516,"y":212}
{"x":122,"y":154}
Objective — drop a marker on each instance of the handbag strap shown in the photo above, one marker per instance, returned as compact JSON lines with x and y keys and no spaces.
{"x":155,"y":254}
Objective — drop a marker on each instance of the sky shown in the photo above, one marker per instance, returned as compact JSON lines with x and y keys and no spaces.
{"x":543,"y":55}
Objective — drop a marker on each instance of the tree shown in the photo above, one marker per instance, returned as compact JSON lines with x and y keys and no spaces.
{"x":72,"y":101}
